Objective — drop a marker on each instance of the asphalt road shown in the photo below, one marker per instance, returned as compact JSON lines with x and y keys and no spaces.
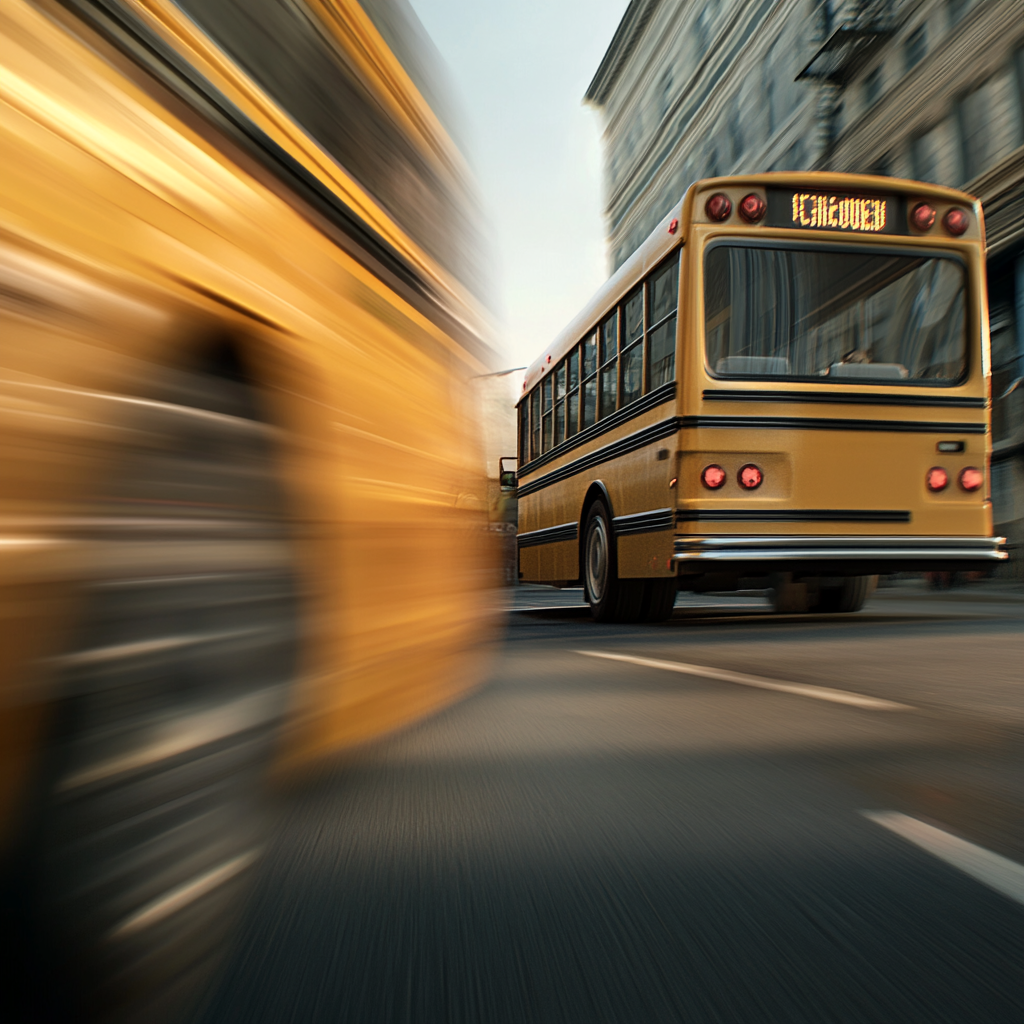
{"x":595,"y":840}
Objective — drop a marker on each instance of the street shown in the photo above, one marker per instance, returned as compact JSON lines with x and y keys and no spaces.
{"x":595,"y":839}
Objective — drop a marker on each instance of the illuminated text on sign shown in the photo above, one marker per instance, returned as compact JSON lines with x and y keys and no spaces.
{"x":813,"y":210}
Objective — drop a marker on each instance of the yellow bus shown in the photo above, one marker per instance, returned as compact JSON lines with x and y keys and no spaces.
{"x":244,"y":517}
{"x":786,"y":385}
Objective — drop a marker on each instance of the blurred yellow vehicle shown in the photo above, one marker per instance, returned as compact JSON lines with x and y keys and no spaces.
{"x":243,"y":515}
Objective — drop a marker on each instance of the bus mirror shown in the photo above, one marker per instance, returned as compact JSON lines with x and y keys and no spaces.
{"x":507,"y":477}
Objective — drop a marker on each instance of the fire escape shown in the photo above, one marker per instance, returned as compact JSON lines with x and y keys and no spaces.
{"x":847,"y":45}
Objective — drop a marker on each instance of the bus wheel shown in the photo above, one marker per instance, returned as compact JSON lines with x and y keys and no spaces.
{"x":846,"y":595}
{"x":611,"y":599}
{"x":788,"y":597}
{"x":659,"y":599}
{"x":151,"y":808}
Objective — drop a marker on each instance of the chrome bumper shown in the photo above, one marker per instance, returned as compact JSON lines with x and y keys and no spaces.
{"x":889,"y":553}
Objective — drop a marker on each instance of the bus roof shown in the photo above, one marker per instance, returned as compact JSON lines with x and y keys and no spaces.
{"x":660,"y":242}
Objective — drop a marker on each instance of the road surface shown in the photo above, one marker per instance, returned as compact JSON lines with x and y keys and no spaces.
{"x":732,"y":816}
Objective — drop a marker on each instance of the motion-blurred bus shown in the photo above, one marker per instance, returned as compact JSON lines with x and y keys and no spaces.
{"x":244,"y":519}
{"x":787,"y":385}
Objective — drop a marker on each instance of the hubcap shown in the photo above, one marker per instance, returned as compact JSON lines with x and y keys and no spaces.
{"x":597,"y":559}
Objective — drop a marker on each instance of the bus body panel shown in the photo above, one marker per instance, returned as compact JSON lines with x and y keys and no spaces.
{"x":635,"y":482}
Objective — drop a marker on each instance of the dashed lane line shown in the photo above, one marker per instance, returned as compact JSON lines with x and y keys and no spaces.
{"x":997,"y":872}
{"x":857,"y":700}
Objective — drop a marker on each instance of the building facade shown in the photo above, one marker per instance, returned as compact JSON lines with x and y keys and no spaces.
{"x":924,"y":89}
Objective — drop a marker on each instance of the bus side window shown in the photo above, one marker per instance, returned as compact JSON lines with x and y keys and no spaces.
{"x":559,"y":404}
{"x":524,"y":431}
{"x":535,"y":423}
{"x":608,"y":339}
{"x":633,"y":347}
{"x":662,"y":298}
{"x":572,"y":398}
{"x":545,"y":412}
{"x":589,"y":417}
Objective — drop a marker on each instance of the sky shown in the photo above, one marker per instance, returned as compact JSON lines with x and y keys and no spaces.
{"x":519,"y":69}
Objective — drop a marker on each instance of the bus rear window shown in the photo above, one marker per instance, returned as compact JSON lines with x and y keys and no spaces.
{"x":848,"y":316}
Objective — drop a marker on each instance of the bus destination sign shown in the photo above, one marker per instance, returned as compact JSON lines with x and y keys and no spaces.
{"x":834,"y":211}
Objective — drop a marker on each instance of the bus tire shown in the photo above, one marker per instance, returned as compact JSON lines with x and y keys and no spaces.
{"x":789,"y":597}
{"x":611,"y":599}
{"x":152,"y":806}
{"x":659,"y":599}
{"x":847,"y":596}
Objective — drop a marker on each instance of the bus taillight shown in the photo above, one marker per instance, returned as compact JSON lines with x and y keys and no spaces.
{"x":971,"y":478}
{"x":752,"y":208}
{"x":718,"y":207}
{"x":956,"y":220}
{"x":750,"y":477}
{"x":937,"y":479}
{"x":922,"y":216}
{"x":712,"y":477}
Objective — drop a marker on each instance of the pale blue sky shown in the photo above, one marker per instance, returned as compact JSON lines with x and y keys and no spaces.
{"x":519,"y":69}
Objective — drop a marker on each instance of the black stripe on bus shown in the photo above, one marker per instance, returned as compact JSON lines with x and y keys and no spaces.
{"x":665,"y":428}
{"x":625,"y":445}
{"x":645,"y":522}
{"x":649,"y":401}
{"x":815,"y":515}
{"x":842,"y":398}
{"x":550,"y":535}
{"x":834,"y":423}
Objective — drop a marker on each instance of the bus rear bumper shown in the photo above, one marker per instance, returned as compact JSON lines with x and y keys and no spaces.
{"x":836,"y":556}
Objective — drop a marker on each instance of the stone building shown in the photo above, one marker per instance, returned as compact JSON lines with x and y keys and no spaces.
{"x":925,"y":89}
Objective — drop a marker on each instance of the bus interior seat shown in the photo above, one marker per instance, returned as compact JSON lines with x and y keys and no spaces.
{"x":762,"y":365}
{"x":876,"y":371}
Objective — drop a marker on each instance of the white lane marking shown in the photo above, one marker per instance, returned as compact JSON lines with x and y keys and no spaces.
{"x":991,"y":869}
{"x":857,"y":700}
{"x":170,"y":902}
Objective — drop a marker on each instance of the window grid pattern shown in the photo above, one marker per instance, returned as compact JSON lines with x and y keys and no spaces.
{"x":629,"y":354}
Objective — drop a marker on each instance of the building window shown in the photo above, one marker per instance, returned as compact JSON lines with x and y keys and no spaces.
{"x":662,"y":297}
{"x":915,"y":48}
{"x":665,"y":91}
{"x":1018,"y":68}
{"x":956,"y":9}
{"x":703,"y":32}
{"x":735,"y":135}
{"x":793,"y":158}
{"x":923,"y":158}
{"x":608,"y":356}
{"x":989,"y":124}
{"x":873,"y":87}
